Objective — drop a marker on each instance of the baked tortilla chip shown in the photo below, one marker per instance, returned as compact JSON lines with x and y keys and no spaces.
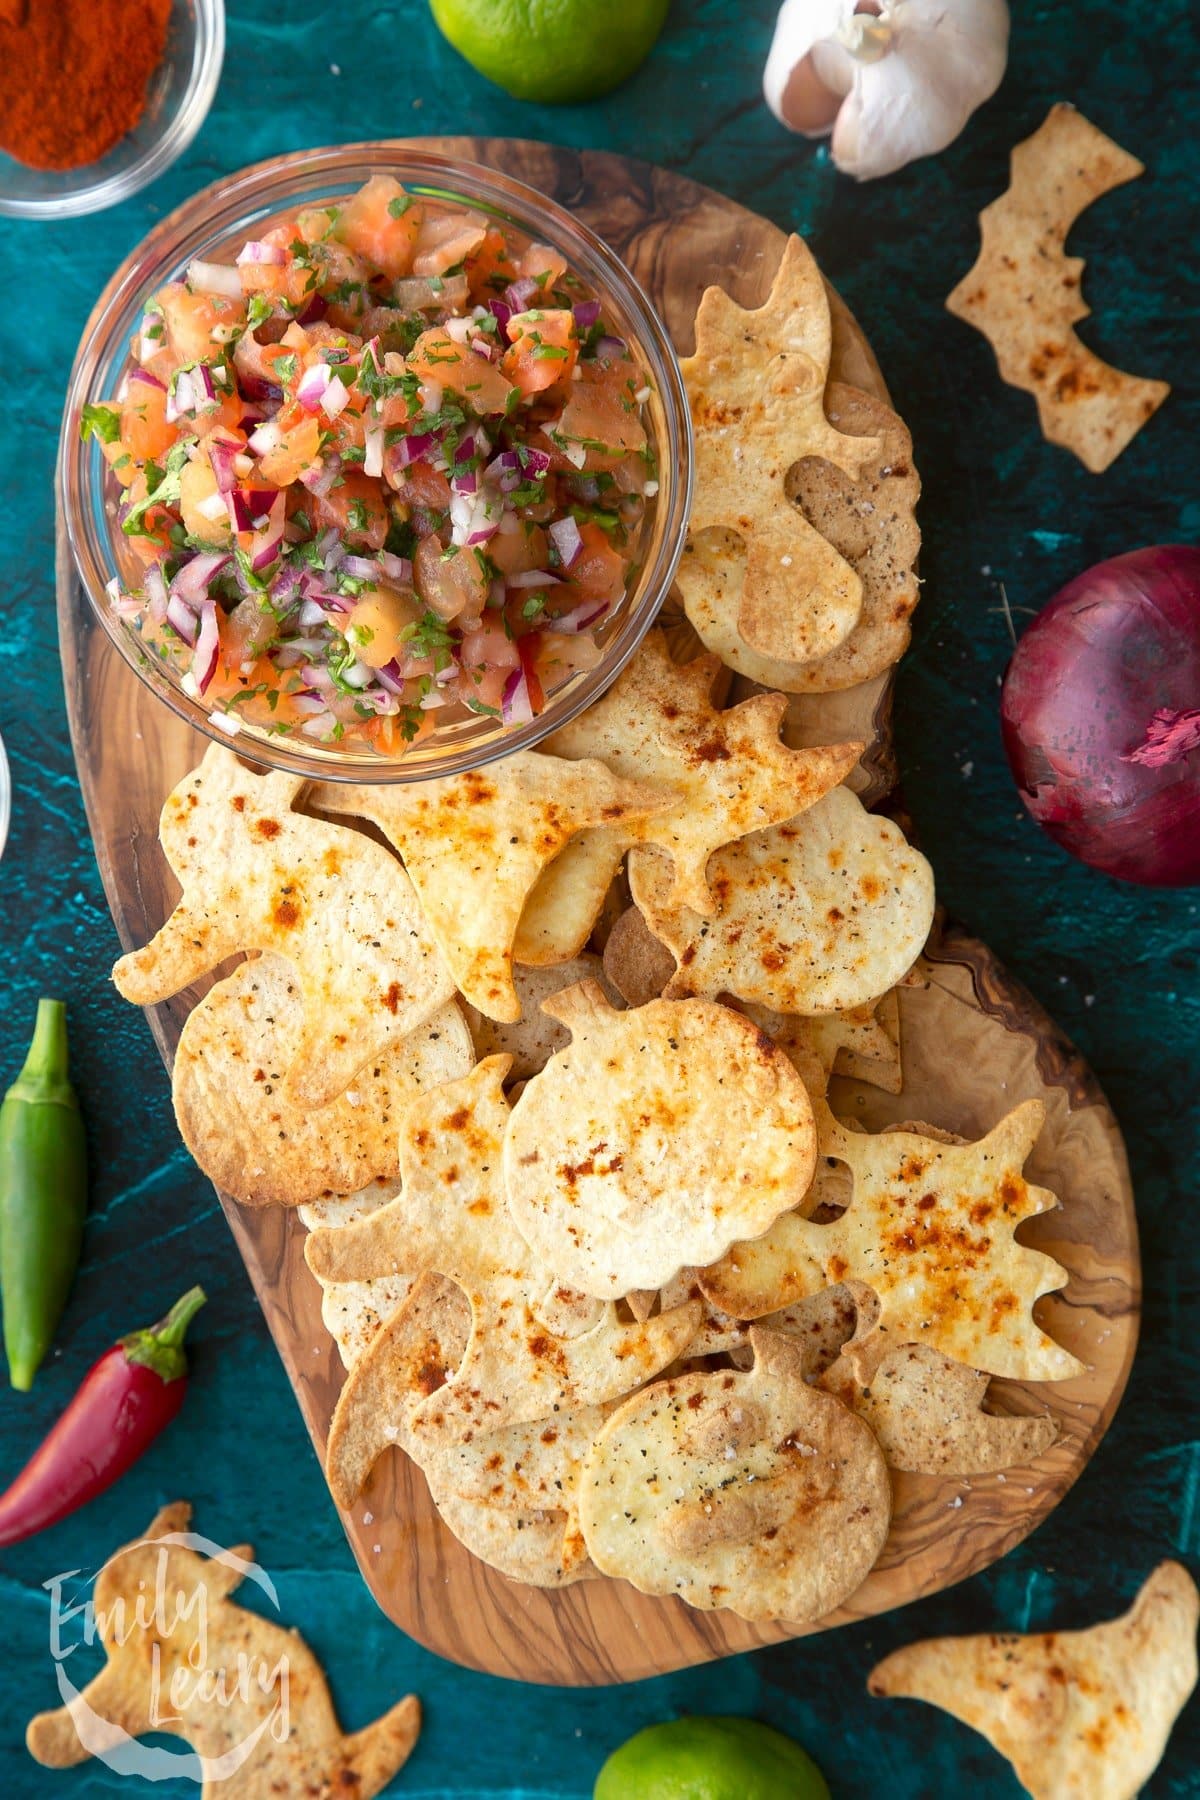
{"x":658,"y":1138}
{"x":258,"y":876}
{"x":237,"y":1116}
{"x":863,"y":1043}
{"x":451,"y":1219}
{"x":928,"y":1231}
{"x":1024,"y":292}
{"x":541,"y":1547}
{"x":208,"y":1639}
{"x":818,"y":915}
{"x":1080,"y":1715}
{"x":927,"y":1413}
{"x":533,"y":1040}
{"x":418,"y":1348}
{"x":475,"y":844}
{"x":748,"y":1491}
{"x":870,"y":522}
{"x":568,"y":898}
{"x":636,"y":964}
{"x":757,"y":390}
{"x":728,"y":771}
{"x":353,"y":1311}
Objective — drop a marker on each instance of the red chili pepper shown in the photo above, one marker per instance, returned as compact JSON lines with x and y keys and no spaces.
{"x":126,"y":1398}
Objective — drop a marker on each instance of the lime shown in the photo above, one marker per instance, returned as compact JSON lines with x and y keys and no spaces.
{"x":710,"y":1759}
{"x":552,"y":50}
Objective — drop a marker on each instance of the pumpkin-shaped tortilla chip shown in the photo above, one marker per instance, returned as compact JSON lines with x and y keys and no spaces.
{"x":742,"y":1490}
{"x":654,"y":1141}
{"x":1080,"y":1715}
{"x":451,"y":1219}
{"x":258,"y":876}
{"x":818,"y":915}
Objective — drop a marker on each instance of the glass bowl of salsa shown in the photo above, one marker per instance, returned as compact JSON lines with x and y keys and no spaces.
{"x":376,"y":464}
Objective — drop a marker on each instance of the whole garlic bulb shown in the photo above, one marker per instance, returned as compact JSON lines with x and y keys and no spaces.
{"x":891,"y":79}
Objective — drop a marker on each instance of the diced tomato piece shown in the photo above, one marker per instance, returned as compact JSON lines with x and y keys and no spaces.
{"x":490,"y":267}
{"x":435,"y":357}
{"x":450,"y":583}
{"x":602,"y":410}
{"x":518,"y":546}
{"x":544,"y":349}
{"x":489,"y":646}
{"x":297,"y":450}
{"x":597,"y":573}
{"x":420,"y":484}
{"x":381,"y":223}
{"x":145,"y":432}
{"x":445,"y":240}
{"x":198,"y":326}
{"x":545,"y":266}
{"x":356,"y":506}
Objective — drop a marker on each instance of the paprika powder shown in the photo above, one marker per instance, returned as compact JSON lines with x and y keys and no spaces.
{"x":73,"y":75}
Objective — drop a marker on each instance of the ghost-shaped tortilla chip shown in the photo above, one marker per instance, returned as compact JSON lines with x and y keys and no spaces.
{"x":1080,"y":1715}
{"x":258,"y":876}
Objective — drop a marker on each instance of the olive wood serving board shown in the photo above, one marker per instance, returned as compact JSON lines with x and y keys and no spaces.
{"x":974,"y":1044}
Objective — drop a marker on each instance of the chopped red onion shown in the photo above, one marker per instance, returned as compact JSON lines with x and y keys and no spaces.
{"x":335,"y":398}
{"x":500,"y":311}
{"x":408,"y":450}
{"x":390,"y":677}
{"x":519,"y":293}
{"x":208,"y":648}
{"x":214,"y":278}
{"x":268,"y":437}
{"x":314,"y":312}
{"x":250,"y":508}
{"x":516,"y":707}
{"x":373,"y":458}
{"x":193,"y":579}
{"x":396,"y":568}
{"x":533,"y":578}
{"x":564,"y":534}
{"x":311,"y":613}
{"x":360,"y":568}
{"x":588,"y":612}
{"x":155,"y":590}
{"x":180,"y":397}
{"x":264,"y":255}
{"x":613,"y":348}
{"x":320,"y":476}
{"x":314,"y":384}
{"x":587,"y":312}
{"x":150,"y":380}
{"x":223,"y":455}
{"x":182,"y":619}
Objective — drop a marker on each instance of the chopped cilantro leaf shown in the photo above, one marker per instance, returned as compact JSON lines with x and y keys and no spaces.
{"x":103,"y":422}
{"x":399,"y":206}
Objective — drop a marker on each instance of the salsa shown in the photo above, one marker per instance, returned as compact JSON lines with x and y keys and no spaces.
{"x":387,"y":468}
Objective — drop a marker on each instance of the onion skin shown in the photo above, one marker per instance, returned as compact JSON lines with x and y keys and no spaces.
{"x":1118,"y":645}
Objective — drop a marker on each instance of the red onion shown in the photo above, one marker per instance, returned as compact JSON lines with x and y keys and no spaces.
{"x":313,"y":385}
{"x":565,"y":535}
{"x":587,"y":312}
{"x":222,"y":455}
{"x":192,"y":581}
{"x":208,"y":648}
{"x":1101,"y":716}
{"x":268,"y":437}
{"x":150,"y":380}
{"x":516,"y":707}
{"x":520,"y":293}
{"x":588,"y":612}
{"x":264,"y":255}
{"x":396,"y":568}
{"x":319,"y":476}
{"x":214,"y":278}
{"x":181,"y":617}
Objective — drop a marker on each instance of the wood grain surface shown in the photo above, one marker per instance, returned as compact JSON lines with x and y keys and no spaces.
{"x":974,"y":1045}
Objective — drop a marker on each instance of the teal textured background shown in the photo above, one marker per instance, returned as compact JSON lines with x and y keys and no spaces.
{"x":1116,"y":965}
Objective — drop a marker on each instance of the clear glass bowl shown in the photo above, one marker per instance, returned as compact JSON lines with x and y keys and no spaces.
{"x":215,"y":224}
{"x":177,"y":100}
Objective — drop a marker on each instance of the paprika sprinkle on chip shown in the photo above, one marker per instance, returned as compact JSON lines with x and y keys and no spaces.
{"x":74,"y":75}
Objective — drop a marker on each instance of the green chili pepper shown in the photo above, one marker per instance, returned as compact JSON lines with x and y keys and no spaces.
{"x":43,"y":1195}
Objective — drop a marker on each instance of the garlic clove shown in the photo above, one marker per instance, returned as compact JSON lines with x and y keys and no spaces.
{"x":909,"y":74}
{"x":795,"y":87}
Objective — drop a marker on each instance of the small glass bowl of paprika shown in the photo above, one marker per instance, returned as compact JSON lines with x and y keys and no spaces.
{"x":99,"y":97}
